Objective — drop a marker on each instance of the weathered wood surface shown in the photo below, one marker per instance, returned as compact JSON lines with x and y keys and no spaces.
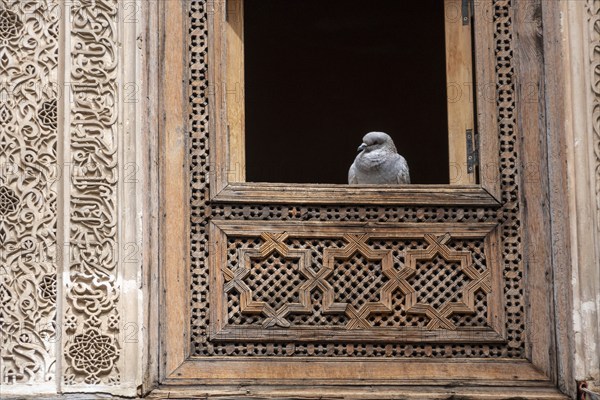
{"x":344,"y":393}
{"x":459,"y":77}
{"x":235,"y":90}
{"x":175,"y":184}
{"x":535,"y":212}
{"x":557,"y":66}
{"x":356,"y":194}
{"x":485,"y":97}
{"x":152,"y":206}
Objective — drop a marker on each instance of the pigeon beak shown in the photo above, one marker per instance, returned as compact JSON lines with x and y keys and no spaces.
{"x":362,"y":147}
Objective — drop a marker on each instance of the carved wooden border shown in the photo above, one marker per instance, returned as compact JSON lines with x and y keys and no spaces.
{"x":221,"y":230}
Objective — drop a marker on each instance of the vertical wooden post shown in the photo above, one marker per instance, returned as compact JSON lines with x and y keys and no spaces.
{"x":459,"y":73}
{"x":235,"y":90}
{"x":175,"y":180}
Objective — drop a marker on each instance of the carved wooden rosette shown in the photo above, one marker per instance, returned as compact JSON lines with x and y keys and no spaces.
{"x":29,"y":177}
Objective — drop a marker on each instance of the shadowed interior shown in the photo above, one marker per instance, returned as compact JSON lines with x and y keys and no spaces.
{"x":321,"y":74}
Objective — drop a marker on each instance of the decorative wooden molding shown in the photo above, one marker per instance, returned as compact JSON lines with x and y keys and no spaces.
{"x":432,"y":195}
{"x":364,"y":392}
{"x":240,"y":280}
{"x":187,"y":315}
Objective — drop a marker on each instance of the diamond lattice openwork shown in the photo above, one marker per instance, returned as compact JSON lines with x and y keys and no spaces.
{"x":369,"y":288}
{"x":445,"y":284}
{"x":276,"y":292}
{"x":402,"y":285}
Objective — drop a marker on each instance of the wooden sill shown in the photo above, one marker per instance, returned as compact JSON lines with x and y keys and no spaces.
{"x":422,"y":195}
{"x":365,"y":392}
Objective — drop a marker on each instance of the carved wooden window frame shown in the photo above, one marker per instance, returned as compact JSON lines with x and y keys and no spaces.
{"x":227,"y":120}
{"x":186,"y":204}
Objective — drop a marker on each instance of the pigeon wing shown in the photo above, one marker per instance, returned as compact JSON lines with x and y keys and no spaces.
{"x":352,"y":179}
{"x":402,"y":171}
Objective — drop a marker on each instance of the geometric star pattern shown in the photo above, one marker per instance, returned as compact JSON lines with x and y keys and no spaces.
{"x":440,"y":316}
{"x":396,"y":280}
{"x":273,"y":244}
{"x":277,"y":306}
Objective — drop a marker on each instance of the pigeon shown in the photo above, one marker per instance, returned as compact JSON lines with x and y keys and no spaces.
{"x":378,"y":162}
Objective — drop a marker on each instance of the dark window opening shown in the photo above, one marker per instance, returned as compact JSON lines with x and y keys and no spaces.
{"x":319,"y":75}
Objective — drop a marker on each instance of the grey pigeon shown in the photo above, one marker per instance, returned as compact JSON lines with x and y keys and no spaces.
{"x":378,"y":162}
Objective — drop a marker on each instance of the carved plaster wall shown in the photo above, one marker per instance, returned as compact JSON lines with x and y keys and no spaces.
{"x":70,"y":251}
{"x":29,"y":91}
{"x":91,"y":317}
{"x":102,"y":324}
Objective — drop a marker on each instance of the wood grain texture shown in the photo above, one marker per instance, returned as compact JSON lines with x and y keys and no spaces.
{"x":531,"y":119}
{"x":217,"y":76}
{"x":174,"y":185}
{"x":459,"y":76}
{"x":222,"y":330}
{"x":324,"y":392}
{"x":235,"y":92}
{"x":556,"y":65}
{"x":485,"y":97}
{"x":149,"y":147}
{"x":360,"y":372}
{"x":356,"y":194}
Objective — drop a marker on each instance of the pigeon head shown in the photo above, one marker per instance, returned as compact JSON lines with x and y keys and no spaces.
{"x":373,"y":141}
